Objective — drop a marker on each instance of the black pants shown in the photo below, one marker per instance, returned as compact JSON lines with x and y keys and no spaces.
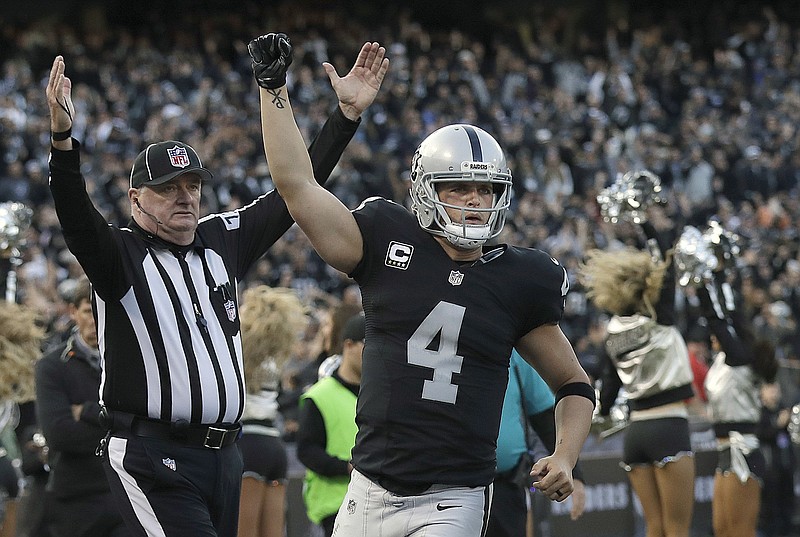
{"x":162,"y":486}
{"x":509,"y":511}
{"x":327,"y":524}
{"x":85,"y":516}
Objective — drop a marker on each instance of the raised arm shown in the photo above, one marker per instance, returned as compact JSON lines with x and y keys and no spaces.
{"x":328,"y":224}
{"x":355,"y":92}
{"x":85,"y":231}
{"x":725,"y":320}
{"x":59,"y":101}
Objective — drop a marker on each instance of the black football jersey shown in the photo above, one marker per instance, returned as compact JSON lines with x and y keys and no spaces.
{"x":439,"y":335}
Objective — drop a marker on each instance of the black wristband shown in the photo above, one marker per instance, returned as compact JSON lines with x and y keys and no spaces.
{"x":577,"y":388}
{"x":61,"y":136}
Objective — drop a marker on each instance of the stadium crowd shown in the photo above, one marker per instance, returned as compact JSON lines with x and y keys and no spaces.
{"x":716,"y":119}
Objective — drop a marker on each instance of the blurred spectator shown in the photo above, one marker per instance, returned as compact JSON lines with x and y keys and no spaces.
{"x":21,"y":339}
{"x":79,"y":501}
{"x":328,"y":427}
{"x":777,"y":503}
{"x":32,"y":519}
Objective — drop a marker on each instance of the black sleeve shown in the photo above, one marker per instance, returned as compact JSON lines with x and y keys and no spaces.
{"x":30,"y":453}
{"x":9,"y":481}
{"x":610,"y":388}
{"x":665,"y":308}
{"x":727,"y":325}
{"x":27,"y":418}
{"x":768,"y":426}
{"x":328,"y":145}
{"x":311,"y":441}
{"x":25,"y":431}
{"x":91,"y":413}
{"x":544,"y":424}
{"x":85,"y":231}
{"x":54,"y":412}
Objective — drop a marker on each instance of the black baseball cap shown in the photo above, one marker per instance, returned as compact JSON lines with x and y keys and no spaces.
{"x":354,"y":328}
{"x":164,"y":161}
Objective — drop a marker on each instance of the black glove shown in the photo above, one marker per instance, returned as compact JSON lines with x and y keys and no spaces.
{"x":272,"y":56}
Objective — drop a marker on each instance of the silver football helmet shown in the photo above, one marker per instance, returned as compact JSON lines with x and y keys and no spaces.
{"x":459,"y":153}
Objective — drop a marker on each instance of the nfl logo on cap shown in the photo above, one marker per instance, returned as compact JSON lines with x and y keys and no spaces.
{"x":163,"y":161}
{"x":178,"y":157}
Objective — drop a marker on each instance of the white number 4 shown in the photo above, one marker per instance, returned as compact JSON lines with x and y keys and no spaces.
{"x":445,"y":321}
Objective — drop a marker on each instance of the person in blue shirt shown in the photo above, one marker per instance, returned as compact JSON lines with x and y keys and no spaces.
{"x":508,"y":515}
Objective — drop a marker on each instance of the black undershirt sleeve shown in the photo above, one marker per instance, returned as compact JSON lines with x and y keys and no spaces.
{"x":329,"y":144}
{"x":610,"y":387}
{"x":544,"y":424}
{"x":665,"y":307}
{"x":311,"y":441}
{"x":85,"y":231}
{"x":728,"y":326}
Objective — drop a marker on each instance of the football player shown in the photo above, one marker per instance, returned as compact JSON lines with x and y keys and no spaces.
{"x":443,"y":312}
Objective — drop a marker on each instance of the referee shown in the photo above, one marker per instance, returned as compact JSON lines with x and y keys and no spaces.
{"x":165,"y":301}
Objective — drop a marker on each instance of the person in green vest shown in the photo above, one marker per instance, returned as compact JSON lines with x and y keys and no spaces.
{"x":328,"y":429}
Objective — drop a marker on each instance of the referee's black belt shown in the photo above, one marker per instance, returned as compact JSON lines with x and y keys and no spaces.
{"x":216,"y":436}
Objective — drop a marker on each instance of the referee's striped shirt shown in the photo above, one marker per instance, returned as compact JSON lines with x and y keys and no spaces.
{"x":189,"y":363}
{"x":168,"y":316}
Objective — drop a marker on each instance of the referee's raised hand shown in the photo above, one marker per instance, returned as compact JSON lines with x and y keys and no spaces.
{"x":59,"y":100}
{"x":358,"y":88}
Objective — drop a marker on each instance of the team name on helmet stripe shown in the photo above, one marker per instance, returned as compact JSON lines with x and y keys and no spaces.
{"x":474,"y":142}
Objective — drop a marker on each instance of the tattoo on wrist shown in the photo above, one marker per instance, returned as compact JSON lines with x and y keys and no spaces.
{"x":277,"y":100}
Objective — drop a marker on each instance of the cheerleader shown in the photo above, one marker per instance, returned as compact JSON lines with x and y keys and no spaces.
{"x":651,"y":362}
